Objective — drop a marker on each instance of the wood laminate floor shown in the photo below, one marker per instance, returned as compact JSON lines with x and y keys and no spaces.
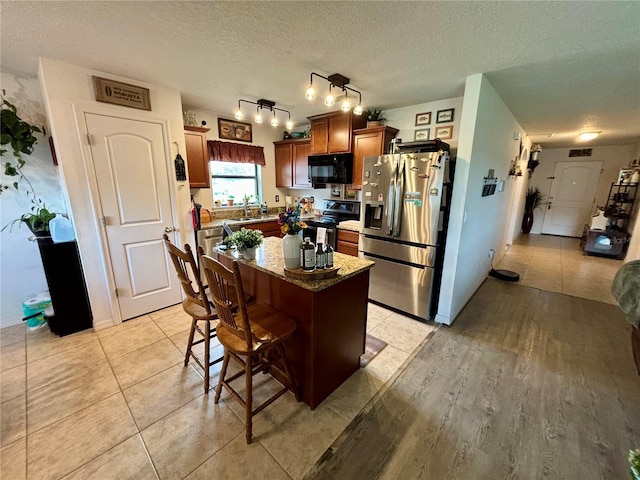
{"x":527,"y":384}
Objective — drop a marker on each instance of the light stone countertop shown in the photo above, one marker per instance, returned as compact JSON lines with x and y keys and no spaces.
{"x":231,"y":221}
{"x":269,"y":260}
{"x":352,"y":225}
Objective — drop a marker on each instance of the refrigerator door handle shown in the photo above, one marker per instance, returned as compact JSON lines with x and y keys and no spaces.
{"x":392,"y":189}
{"x":397,"y":211}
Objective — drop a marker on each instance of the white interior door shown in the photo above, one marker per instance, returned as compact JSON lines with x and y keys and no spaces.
{"x":131,"y":171}
{"x":571,"y":197}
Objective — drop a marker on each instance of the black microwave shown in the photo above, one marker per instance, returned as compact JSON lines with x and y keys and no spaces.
{"x":332,"y":168}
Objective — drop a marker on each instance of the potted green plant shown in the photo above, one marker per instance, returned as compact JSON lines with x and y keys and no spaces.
{"x":374,"y":118}
{"x":245,"y":241}
{"x":18,"y":136}
{"x":532,"y":200}
{"x":230,"y":200}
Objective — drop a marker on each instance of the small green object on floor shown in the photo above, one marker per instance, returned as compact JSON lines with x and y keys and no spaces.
{"x":373,"y":346}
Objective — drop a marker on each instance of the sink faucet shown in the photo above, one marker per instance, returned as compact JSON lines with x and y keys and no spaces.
{"x":246,"y":205}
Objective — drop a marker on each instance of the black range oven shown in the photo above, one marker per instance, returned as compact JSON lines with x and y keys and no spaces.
{"x":335,"y":211}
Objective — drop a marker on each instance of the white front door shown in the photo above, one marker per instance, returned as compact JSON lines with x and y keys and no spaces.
{"x":131,"y":172}
{"x":571,"y":197}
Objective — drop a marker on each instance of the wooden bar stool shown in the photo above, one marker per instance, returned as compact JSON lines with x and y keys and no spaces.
{"x":197,"y":305}
{"x":252,"y":335}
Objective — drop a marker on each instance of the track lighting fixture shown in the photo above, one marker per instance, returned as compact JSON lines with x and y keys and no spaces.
{"x":266,"y":105}
{"x":339,"y":81}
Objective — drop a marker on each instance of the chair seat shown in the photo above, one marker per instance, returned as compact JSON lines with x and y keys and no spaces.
{"x":197,"y":311}
{"x":266,"y":322}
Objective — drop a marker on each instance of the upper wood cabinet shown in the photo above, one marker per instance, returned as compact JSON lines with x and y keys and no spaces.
{"x":331,"y":132}
{"x":291,"y":163}
{"x":197,"y":156}
{"x":369,"y":141}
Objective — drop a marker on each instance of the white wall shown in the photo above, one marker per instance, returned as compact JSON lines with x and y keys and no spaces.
{"x":478,"y":223}
{"x":68,"y":90}
{"x":21,"y":272}
{"x":404,"y":119}
{"x":613,"y":158}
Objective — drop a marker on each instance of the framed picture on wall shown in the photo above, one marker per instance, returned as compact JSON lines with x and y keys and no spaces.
{"x":423,"y":118}
{"x":336,"y":190}
{"x":444,"y":133}
{"x":234,"y":130}
{"x":444,"y":116}
{"x":421,"y":134}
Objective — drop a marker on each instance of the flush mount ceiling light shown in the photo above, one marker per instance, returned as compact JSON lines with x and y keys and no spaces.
{"x":338,"y":81}
{"x":586,"y":136}
{"x":263,"y":104}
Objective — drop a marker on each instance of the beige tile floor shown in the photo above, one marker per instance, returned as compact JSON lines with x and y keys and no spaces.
{"x":118,"y":404}
{"x":559,"y":264}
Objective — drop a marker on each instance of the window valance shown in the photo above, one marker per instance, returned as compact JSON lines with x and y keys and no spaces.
{"x":235,"y":152}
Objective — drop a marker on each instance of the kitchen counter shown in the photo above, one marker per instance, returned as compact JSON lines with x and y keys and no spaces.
{"x":331,"y":316}
{"x":245,"y":221}
{"x":269,"y":260}
{"x":351,"y":225}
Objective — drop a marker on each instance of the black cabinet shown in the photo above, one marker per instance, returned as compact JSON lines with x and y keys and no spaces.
{"x":67,"y":288}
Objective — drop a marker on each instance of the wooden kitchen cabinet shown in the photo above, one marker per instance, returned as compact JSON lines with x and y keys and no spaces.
{"x":348,"y":242}
{"x":332,"y":132}
{"x":369,"y":141}
{"x":269,"y":229}
{"x":197,"y":157}
{"x":291,"y":163}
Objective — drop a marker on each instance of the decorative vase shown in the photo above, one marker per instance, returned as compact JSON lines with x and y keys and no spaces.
{"x":249,"y":253}
{"x":527,"y":221}
{"x":534,"y":155}
{"x":373,"y":123}
{"x":291,"y":250}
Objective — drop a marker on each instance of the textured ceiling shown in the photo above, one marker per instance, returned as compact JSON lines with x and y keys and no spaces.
{"x":561,"y":67}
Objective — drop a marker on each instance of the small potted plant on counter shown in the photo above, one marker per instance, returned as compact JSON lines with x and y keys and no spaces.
{"x":230,"y":200}
{"x":245,"y":241}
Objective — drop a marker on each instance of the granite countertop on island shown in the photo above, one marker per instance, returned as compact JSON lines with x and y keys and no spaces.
{"x":269,"y":259}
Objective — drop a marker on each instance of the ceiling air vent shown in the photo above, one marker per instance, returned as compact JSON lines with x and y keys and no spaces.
{"x":580,"y":152}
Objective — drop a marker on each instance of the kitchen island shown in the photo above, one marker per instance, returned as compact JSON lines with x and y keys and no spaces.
{"x":331,"y":315}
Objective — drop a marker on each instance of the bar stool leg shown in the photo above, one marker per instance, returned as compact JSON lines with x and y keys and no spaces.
{"x":190,"y":342}
{"x":249,"y":396}
{"x":207,"y":353}
{"x":223,"y":373}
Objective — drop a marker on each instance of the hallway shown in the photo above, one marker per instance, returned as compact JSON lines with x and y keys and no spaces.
{"x":559,"y":264}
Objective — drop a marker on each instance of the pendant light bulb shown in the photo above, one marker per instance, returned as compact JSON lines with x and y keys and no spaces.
{"x":310,"y":93}
{"x":258,"y":118}
{"x":329,"y":100}
{"x":239,"y":115}
{"x":346,"y":105}
{"x":357,"y":110}
{"x":289,"y":125}
{"x":274,"y":120}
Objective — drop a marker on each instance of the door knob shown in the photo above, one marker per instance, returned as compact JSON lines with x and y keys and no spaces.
{"x":168,"y":229}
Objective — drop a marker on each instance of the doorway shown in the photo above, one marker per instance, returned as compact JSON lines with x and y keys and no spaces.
{"x":570,"y":198}
{"x":130,"y":165}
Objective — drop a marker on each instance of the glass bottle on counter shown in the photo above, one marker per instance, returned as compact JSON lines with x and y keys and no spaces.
{"x":329,"y":253}
{"x":321,"y":257}
{"x":308,"y":255}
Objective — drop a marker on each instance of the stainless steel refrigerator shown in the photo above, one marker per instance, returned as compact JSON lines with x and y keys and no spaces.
{"x":403,"y":227}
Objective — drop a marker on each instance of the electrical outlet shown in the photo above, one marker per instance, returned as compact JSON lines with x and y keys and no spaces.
{"x":492,"y":252}
{"x":277,"y":198}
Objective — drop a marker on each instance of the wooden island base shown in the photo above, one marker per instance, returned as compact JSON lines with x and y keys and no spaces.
{"x":326,"y":347}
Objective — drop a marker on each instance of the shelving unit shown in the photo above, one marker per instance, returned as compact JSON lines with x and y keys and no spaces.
{"x":619,"y":205}
{"x":613,"y":241}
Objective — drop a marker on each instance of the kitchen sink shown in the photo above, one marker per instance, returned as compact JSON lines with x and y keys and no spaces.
{"x":257,"y":217}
